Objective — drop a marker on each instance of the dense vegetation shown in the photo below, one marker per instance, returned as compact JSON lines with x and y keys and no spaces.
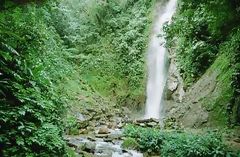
{"x":33,"y":65}
{"x":59,"y":56}
{"x":108,"y":44}
{"x":53,"y":52}
{"x":176,"y":143}
{"x":200,"y":32}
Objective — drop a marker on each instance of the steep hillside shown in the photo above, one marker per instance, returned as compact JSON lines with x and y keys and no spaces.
{"x":205,"y":48}
{"x":61,"y":59}
{"x":107,"y":41}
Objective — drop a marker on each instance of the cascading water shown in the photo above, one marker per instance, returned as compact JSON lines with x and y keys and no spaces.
{"x":157,"y":63}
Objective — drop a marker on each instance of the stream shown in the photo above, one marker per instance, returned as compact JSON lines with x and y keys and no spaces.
{"x":101,"y":145}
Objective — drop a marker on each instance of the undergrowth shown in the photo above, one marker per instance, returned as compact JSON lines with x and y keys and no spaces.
{"x":178,"y":143}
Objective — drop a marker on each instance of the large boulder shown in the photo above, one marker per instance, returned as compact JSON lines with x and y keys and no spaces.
{"x":103,"y":130}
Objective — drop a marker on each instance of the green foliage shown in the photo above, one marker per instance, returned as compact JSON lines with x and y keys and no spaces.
{"x":130,"y":143}
{"x":71,"y":125}
{"x":109,"y":39}
{"x":178,"y":144}
{"x":231,"y":46}
{"x":32,"y":67}
{"x":201,"y":32}
{"x":75,"y":49}
{"x":197,"y":31}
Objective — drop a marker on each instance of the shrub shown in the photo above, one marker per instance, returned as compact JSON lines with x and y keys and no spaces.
{"x":177,"y":144}
{"x":130,"y":143}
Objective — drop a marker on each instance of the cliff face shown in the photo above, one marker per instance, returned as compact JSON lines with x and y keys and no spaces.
{"x":204,"y":37}
{"x":205,"y":103}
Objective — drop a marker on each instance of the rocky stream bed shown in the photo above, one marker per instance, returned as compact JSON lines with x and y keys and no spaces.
{"x":100,"y":133}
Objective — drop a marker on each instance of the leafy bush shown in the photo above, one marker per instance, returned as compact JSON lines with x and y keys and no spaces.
{"x":130,"y":143}
{"x":177,"y":144}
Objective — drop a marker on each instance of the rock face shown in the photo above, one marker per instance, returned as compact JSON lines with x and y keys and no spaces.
{"x":187,"y":108}
{"x":174,"y":87}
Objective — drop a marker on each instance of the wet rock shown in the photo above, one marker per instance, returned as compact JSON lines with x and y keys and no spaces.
{"x":125,"y":110}
{"x":102,"y":122}
{"x":152,"y":124}
{"x":117,"y":120}
{"x":91,"y":138}
{"x":83,"y":131}
{"x":85,"y":154}
{"x":97,"y":117}
{"x":120,"y":125}
{"x":115,"y":135}
{"x":70,"y":144}
{"x":110,"y":115}
{"x":102,"y":135}
{"x":126,"y":118}
{"x":106,"y":149}
{"x":83,"y":124}
{"x":147,"y":120}
{"x":87,"y":146}
{"x":90,"y":110}
{"x":174,"y":87}
{"x":108,"y":140}
{"x":142,"y":124}
{"x":73,"y":142}
{"x":90,"y":129}
{"x":112,"y":125}
{"x":103,"y":130}
{"x":79,"y":116}
{"x":169,"y":94}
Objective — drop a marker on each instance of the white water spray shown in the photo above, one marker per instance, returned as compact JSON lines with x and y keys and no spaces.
{"x":157,"y":63}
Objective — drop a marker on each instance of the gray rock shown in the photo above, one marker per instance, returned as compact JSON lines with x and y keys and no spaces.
{"x":87,"y":146}
{"x":74,"y":142}
{"x":106,"y":149}
{"x":152,"y":124}
{"x":103,"y":130}
{"x":91,"y":138}
{"x":116,"y":134}
{"x":101,"y":135}
{"x":142,"y":124}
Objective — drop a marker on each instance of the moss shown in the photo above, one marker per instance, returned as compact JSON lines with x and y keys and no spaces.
{"x":217,"y":102}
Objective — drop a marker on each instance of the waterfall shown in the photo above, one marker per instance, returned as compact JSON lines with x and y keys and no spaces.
{"x":157,"y":63}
